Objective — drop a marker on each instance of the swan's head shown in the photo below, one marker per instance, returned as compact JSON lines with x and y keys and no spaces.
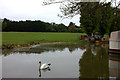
{"x":39,"y":61}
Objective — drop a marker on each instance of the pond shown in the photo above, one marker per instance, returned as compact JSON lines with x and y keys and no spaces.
{"x":68,"y":60}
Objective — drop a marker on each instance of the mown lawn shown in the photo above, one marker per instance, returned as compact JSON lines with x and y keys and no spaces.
{"x":42,"y":37}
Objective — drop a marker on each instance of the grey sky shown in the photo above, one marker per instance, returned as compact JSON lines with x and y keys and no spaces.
{"x":32,"y":10}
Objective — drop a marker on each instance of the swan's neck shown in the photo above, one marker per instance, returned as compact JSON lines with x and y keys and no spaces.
{"x":40,"y":65}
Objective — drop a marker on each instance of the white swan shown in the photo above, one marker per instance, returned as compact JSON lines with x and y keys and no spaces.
{"x":44,"y":66}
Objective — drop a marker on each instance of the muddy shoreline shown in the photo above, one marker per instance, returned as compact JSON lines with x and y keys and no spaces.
{"x":12,"y":46}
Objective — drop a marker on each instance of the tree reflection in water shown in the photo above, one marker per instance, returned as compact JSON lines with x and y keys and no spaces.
{"x":94,"y":63}
{"x":42,"y":48}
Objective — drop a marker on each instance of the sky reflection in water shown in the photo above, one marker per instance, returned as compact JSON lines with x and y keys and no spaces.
{"x":67,"y":61}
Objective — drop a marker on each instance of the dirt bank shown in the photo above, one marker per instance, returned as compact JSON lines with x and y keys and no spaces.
{"x":11,"y":46}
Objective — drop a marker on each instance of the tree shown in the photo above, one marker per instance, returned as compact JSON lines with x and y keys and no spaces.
{"x":103,"y":18}
{"x":71,"y":27}
{"x":87,"y":19}
{"x":4,"y":24}
{"x":62,"y":28}
{"x":90,"y":19}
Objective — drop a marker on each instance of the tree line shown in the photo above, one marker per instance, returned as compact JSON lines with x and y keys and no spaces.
{"x":37,"y":26}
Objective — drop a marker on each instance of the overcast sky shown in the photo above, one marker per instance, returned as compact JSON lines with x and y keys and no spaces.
{"x":32,"y":10}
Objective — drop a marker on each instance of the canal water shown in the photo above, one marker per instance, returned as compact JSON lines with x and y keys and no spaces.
{"x":67,"y":61}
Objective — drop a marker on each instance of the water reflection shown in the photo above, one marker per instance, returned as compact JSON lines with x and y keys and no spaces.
{"x":114,"y":65}
{"x":43,"y":67}
{"x":94,"y":65}
{"x":25,"y":65}
{"x":45,"y":48}
{"x":46,"y":70}
{"x":68,"y":61}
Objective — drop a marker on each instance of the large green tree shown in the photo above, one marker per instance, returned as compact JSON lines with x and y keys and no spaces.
{"x":94,"y":16}
{"x":103,"y":18}
{"x":87,"y":19}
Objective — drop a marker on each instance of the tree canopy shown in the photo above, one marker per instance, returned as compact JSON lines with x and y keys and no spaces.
{"x":94,"y":16}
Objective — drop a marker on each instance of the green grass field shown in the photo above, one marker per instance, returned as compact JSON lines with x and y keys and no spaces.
{"x":42,"y":37}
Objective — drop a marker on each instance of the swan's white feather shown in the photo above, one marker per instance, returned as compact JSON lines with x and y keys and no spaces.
{"x":44,"y":66}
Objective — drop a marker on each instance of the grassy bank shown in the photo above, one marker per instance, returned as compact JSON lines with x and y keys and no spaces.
{"x":38,"y":37}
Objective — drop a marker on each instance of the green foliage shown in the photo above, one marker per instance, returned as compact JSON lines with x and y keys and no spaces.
{"x":94,"y":16}
{"x":32,"y":26}
{"x":87,"y":20}
{"x":36,"y":26}
{"x":99,"y":17}
{"x":0,"y":32}
{"x":4,"y":25}
{"x":71,"y":27}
